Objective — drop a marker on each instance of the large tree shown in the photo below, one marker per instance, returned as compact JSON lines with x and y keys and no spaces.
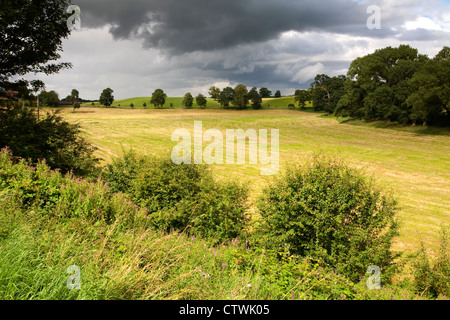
{"x":380,"y":87}
{"x":240,"y":98}
{"x":201,"y":101}
{"x":430,"y":99}
{"x":214,"y":92}
{"x":49,"y":99}
{"x":75,"y":99}
{"x":226,"y":96}
{"x":158,"y":99}
{"x":106,"y":98}
{"x":188,"y":101}
{"x":31,"y":34}
{"x":326,"y":92}
{"x":265,"y":93}
{"x":255,"y":98}
{"x":302,"y":96}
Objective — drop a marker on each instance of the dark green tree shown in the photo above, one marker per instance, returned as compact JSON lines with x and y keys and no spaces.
{"x":52,"y":138}
{"x":226,"y":96}
{"x":214,"y":92}
{"x":255,"y":98}
{"x":380,"y":87}
{"x":75,"y":99}
{"x":240,"y":98}
{"x":31,"y":34}
{"x":49,"y":99}
{"x":265,"y":93}
{"x":430,"y":99}
{"x":278,"y":94}
{"x":201,"y":101}
{"x":188,"y":101}
{"x":158,"y":99}
{"x":302,"y":97}
{"x":106,"y":98}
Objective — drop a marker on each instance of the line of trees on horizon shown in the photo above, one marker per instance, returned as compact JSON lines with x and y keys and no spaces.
{"x":391,"y":84}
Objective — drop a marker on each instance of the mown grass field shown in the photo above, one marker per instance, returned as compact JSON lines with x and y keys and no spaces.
{"x":412,"y":165}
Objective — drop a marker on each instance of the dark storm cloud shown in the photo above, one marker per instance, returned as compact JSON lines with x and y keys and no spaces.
{"x":203,"y":25}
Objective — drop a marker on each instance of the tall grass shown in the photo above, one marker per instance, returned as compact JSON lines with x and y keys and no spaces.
{"x":121,"y":256}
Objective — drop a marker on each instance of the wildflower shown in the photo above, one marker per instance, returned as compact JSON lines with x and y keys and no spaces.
{"x":224,"y":264}
{"x":249,"y":285}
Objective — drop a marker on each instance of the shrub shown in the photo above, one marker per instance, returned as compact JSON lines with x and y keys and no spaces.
{"x":181,"y":197}
{"x":332,"y":213}
{"x":433,"y":280}
{"x":52,"y":138}
{"x":49,"y":193}
{"x":291,"y":106}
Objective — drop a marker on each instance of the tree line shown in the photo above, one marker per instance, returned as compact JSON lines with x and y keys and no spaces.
{"x":391,"y":84}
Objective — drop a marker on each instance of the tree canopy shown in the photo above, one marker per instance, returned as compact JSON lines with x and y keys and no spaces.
{"x":106,"y":98}
{"x":226,"y":96}
{"x":158,"y":99}
{"x":188,"y":101}
{"x":31,"y":34}
{"x":240,"y":98}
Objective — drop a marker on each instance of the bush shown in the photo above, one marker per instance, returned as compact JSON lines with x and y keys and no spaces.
{"x":333,"y":214}
{"x":181,"y":197}
{"x":38,"y":189}
{"x":291,"y":106}
{"x":52,"y":138}
{"x":433,"y":280}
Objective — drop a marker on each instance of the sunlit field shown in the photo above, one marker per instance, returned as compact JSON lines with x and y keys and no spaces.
{"x":412,"y":165}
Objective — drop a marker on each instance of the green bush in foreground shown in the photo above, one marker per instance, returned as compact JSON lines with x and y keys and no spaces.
{"x":329,"y":212}
{"x":49,"y":222}
{"x":181,"y":197}
{"x":433,"y":280}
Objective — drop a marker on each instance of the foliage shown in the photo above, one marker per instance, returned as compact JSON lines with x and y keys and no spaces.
{"x":255,"y":98}
{"x":240,"y":97}
{"x":158,"y":99}
{"x":181,"y":197}
{"x":214,"y":92}
{"x":278,"y":94}
{"x":106,"y":98}
{"x":201,"y":101}
{"x":226,"y":96}
{"x":430,"y":99}
{"x":53,"y":139}
{"x":333,"y":214}
{"x":188,"y":101}
{"x":397,"y":84}
{"x":302,"y":96}
{"x":50,"y":99}
{"x":433,"y":280}
{"x":31,"y":37}
{"x":326,"y":92}
{"x":265,"y":93}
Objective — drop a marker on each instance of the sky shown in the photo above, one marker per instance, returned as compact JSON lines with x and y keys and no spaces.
{"x":137,"y":46}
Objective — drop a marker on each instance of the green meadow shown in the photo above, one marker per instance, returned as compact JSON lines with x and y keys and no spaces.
{"x":412,"y":163}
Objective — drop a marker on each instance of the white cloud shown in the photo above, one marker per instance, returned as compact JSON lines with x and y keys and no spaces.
{"x":422,"y":23}
{"x":308,"y":73}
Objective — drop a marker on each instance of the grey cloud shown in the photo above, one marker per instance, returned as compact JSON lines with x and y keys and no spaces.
{"x":204,"y":25}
